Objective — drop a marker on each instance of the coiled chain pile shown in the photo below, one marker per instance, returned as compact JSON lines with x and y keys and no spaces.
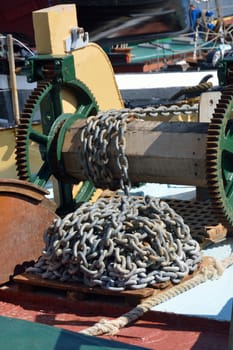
{"x":122,"y":242}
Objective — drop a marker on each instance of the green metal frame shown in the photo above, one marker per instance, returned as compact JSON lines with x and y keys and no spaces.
{"x":62,"y":66}
{"x":55,"y":123}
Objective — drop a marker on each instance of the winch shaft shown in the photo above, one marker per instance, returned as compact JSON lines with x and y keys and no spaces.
{"x":157,"y":152}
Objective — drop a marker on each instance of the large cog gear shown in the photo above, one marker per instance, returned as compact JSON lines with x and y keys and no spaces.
{"x":25,"y":132}
{"x":219,"y":157}
{"x":47,"y":99}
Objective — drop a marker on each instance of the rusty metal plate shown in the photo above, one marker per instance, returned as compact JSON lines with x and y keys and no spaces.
{"x":199,"y":216}
{"x":25,"y":213}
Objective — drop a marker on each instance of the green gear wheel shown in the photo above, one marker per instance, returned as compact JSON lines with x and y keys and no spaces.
{"x":219,"y":155}
{"x":47,"y":99}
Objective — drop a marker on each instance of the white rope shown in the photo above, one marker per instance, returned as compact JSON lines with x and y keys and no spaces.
{"x":213,"y":270}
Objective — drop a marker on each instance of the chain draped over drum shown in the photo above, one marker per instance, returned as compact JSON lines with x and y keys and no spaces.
{"x":122,"y":242}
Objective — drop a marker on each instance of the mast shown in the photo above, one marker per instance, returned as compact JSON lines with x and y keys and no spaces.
{"x":218,"y":9}
{"x":220,"y":19}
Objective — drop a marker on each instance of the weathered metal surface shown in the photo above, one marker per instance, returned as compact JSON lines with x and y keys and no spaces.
{"x":25,"y":215}
{"x":156,"y":151}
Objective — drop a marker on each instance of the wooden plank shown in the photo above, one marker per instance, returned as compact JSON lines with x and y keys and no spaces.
{"x":80,"y":291}
{"x":35,"y":280}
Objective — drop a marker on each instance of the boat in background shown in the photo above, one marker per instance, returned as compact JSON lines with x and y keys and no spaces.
{"x":141,"y":36}
{"x":124,"y":29}
{"x":209,"y":39}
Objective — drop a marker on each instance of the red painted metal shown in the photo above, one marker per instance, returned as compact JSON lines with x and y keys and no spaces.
{"x":155,"y":330}
{"x":25,"y":215}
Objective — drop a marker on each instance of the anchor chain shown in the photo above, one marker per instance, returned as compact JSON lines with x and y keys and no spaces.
{"x":119,"y":244}
{"x":124,"y":242}
{"x":182,"y":109}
